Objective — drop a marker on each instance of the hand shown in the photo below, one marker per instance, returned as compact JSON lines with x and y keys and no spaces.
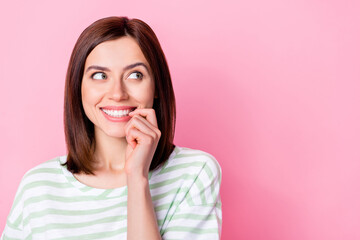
{"x":142,"y":135}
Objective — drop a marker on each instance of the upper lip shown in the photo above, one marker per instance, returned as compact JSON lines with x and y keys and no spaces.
{"x":118,"y":107}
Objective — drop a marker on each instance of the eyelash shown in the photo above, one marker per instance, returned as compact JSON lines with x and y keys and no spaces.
{"x":136,"y":72}
{"x":92,"y":75}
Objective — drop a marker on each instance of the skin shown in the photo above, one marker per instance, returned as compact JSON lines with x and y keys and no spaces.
{"x":124,"y":150}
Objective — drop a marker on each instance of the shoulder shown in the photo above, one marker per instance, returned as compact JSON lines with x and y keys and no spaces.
{"x":45,"y":175}
{"x":43,"y":171}
{"x":189,"y":164}
{"x":33,"y":181}
{"x":195,"y":174}
{"x":187,"y":159}
{"x":188,"y":174}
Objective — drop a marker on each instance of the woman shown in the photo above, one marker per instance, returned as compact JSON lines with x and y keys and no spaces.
{"x":122,"y":177}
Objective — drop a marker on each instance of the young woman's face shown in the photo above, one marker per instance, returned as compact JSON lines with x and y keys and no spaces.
{"x":117,"y":79}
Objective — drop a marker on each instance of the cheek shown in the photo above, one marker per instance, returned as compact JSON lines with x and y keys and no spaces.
{"x":89,"y":95}
{"x":144,"y":95}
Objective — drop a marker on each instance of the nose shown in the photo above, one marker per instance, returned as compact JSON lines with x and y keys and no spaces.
{"x":118,"y":91}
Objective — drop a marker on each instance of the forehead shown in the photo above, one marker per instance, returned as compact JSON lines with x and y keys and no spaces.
{"x":116,"y":53}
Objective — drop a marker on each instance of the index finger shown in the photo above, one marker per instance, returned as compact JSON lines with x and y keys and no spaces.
{"x":148,"y":113}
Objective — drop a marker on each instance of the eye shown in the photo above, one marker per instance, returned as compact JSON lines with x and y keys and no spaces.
{"x":136,"y":75}
{"x":99,"y":76}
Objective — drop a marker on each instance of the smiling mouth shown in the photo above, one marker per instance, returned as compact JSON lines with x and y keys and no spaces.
{"x":117,"y":113}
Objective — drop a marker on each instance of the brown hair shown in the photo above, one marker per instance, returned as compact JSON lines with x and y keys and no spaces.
{"x":79,"y":130}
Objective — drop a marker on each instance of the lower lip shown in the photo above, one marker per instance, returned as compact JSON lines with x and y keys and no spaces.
{"x":116,"y":119}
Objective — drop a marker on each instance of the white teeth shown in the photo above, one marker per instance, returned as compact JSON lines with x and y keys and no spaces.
{"x":116,"y":113}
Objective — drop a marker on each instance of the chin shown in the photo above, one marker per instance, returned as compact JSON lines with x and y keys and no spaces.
{"x":110,"y":131}
{"x":113,"y":132}
{"x":116,"y":134}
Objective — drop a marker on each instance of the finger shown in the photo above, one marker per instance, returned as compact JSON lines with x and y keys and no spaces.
{"x":147,"y":123}
{"x":136,"y":137}
{"x":131,"y":141}
{"x":131,"y":138}
{"x":142,"y":125}
{"x":142,"y":119}
{"x":148,"y":113}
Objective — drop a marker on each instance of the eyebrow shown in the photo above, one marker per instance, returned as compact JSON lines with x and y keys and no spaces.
{"x":135,"y":65}
{"x":105,"y":69}
{"x":95,"y":67}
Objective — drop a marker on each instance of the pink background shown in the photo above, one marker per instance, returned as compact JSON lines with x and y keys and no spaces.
{"x":270,"y":88}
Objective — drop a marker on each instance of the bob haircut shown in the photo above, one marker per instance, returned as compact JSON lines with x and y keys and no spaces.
{"x":79,"y":130}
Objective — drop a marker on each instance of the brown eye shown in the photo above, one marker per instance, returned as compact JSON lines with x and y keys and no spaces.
{"x":136,"y":75}
{"x":99,"y":76}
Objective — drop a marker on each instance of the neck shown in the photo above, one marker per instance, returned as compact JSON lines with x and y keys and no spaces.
{"x":109,"y":152}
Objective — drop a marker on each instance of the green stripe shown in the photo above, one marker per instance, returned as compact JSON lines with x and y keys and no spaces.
{"x":106,"y":193}
{"x":208,"y":171}
{"x":166,"y":206}
{"x":43,"y":170}
{"x":37,"y":184}
{"x":201,"y":189}
{"x":194,"y":216}
{"x":182,"y":155}
{"x":124,"y":193}
{"x":16,"y":223}
{"x":162,"y":195}
{"x":191,"y":229}
{"x":9,"y":238}
{"x":86,"y":189}
{"x":46,"y":183}
{"x":38,"y":199}
{"x":189,"y":216}
{"x":172,"y":168}
{"x":189,"y":199}
{"x":160,"y":222}
{"x":71,"y":179}
{"x":185,"y":176}
{"x":102,"y":196}
{"x":176,"y":150}
{"x":164,"y":166}
{"x":210,"y":175}
{"x":182,"y":165}
{"x":52,"y":226}
{"x":61,"y":212}
{"x":150,"y":174}
{"x":98,"y":235}
{"x":28,"y":186}
{"x":216,"y":178}
{"x":218,"y":168}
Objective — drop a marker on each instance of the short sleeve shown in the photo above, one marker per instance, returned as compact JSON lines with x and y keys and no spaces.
{"x":14,"y":225}
{"x":199,"y":214}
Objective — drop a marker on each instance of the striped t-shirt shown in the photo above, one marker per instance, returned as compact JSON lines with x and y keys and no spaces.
{"x":52,"y":204}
